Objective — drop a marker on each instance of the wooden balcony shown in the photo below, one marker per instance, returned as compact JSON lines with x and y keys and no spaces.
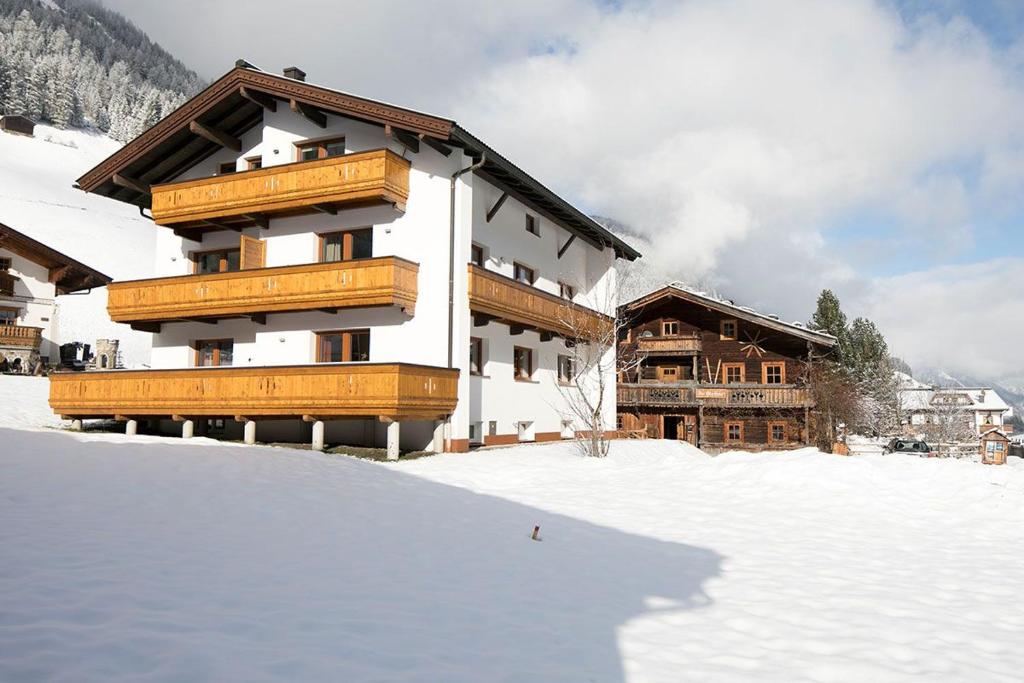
{"x":385,"y":281}
{"x":669,"y":346}
{"x":329,"y":390}
{"x":714,"y":395}
{"x":520,"y":305}
{"x":234,"y":199}
{"x":20,"y":337}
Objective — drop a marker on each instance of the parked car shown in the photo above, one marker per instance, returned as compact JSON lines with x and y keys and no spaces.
{"x":1017,"y":449}
{"x":915,"y":446}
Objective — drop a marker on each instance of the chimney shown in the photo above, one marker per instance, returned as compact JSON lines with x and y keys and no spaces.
{"x":295,"y":72}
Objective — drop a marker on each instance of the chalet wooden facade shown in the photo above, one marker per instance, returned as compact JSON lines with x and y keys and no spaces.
{"x":715,"y":374}
{"x":331,"y":267}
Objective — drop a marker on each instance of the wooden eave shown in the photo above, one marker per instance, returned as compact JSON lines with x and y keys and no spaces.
{"x":66,"y":273}
{"x":669,"y":292}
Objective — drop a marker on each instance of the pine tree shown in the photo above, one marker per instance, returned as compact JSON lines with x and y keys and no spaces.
{"x":829,"y":317}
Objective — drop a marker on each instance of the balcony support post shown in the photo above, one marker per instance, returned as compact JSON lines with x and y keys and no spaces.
{"x":187,"y":428}
{"x":439,"y":429}
{"x":394,"y":431}
{"x":131,"y":427}
{"x":76,"y":425}
{"x":249,"y":432}
{"x":317,"y":442}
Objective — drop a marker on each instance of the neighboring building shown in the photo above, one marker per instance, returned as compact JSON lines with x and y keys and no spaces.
{"x":331,"y":260}
{"x":15,"y":123}
{"x":952,"y":413}
{"x":31,"y":276}
{"x":715,"y":374}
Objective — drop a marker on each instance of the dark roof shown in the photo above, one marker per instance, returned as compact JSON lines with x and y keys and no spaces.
{"x":66,"y":273}
{"x":168,"y":148}
{"x":678,"y":291}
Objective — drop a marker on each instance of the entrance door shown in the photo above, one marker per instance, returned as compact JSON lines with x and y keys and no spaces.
{"x":670,"y":430}
{"x":689,"y":429}
{"x":680,"y":427}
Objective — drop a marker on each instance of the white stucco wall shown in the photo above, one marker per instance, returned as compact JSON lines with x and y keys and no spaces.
{"x":34,"y":297}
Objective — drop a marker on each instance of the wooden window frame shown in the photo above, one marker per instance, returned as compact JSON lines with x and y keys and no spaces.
{"x":567,"y":380}
{"x":515,"y":367}
{"x":223,"y":165}
{"x":722,"y":335}
{"x":249,"y":161}
{"x":196,"y":349}
{"x":725,"y":372}
{"x":725,"y":431}
{"x":475,"y":249}
{"x":785,"y":431}
{"x":6,"y":263}
{"x":346,"y":243}
{"x":478,"y":343}
{"x":532,"y":225}
{"x":565,"y":288}
{"x":10,"y":309}
{"x":772,"y":364}
{"x":194,"y":256}
{"x":7,"y":281}
{"x":533,"y":273}
{"x":666,"y":326}
{"x":346,"y":344}
{"x":321,"y":147}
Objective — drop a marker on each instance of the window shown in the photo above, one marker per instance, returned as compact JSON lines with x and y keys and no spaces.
{"x":320,"y":149}
{"x":476,"y":255}
{"x":6,"y":283}
{"x":565,"y":369}
{"x":253,"y":163}
{"x":523,"y":363}
{"x":218,"y":261}
{"x":532,"y":225}
{"x":733,"y":431}
{"x":348,"y":346}
{"x":776,"y":431}
{"x":734,"y":373}
{"x":566,"y":291}
{"x":347,"y":245}
{"x":227,"y":167}
{"x":214,"y":352}
{"x":476,"y":432}
{"x":524,"y":274}
{"x":8,"y":315}
{"x":5,"y":262}
{"x":773,"y":372}
{"x":727,"y":329}
{"x":476,"y":356}
{"x":670,"y":328}
{"x":669,"y":373}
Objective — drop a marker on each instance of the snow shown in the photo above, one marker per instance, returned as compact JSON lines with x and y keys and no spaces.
{"x":160,"y":559}
{"x":37,"y":198}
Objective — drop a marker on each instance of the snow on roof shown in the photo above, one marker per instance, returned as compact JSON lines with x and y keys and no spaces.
{"x":920,"y":397}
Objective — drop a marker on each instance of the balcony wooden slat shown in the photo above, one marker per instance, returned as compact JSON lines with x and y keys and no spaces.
{"x":719,"y":395}
{"x":384,"y":281}
{"x":338,"y":390}
{"x":514,"y":302}
{"x":378,"y":176}
{"x":655,"y":346}
{"x":20,"y":336}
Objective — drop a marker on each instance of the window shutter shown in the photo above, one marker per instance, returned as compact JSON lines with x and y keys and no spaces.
{"x":254,"y":253}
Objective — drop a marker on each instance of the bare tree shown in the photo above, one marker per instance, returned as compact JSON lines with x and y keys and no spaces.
{"x":951,"y":422}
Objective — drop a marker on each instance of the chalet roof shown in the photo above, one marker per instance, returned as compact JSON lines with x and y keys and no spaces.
{"x":978,"y":398}
{"x":230,"y":105}
{"x":66,"y":273}
{"x":680,"y":291}
{"x":996,"y":430}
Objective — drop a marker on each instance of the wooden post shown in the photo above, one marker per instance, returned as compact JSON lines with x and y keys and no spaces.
{"x":318,"y":435}
{"x":250,"y":432}
{"x":438,"y":444}
{"x":131,"y":428}
{"x":187,"y":428}
{"x":700,"y":426}
{"x":394,"y":431}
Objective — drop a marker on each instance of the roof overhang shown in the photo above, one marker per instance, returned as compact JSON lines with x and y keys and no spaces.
{"x":67,"y":274}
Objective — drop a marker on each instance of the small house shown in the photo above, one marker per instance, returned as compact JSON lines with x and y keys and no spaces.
{"x":16,"y":123}
{"x":995,"y":445}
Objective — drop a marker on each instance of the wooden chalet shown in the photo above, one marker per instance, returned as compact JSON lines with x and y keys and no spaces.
{"x":18,"y":124}
{"x":715,"y":374}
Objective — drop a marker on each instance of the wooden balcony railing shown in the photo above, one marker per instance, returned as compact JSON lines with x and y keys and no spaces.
{"x":667,"y":346}
{"x":379,"y":176}
{"x":715,"y":395}
{"x":516,"y":303}
{"x":329,"y":390}
{"x":385,"y":281}
{"x":19,"y":336}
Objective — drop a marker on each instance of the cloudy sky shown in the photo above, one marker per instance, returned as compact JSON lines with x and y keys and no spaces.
{"x":768,"y":149}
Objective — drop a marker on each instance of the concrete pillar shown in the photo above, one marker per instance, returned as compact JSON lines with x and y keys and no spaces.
{"x":188,"y":428}
{"x":76,"y":425}
{"x":250,"y":432}
{"x":318,"y":435}
{"x":438,"y":445}
{"x":394,"y":431}
{"x":131,"y":428}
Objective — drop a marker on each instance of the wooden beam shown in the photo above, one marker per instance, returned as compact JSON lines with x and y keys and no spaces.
{"x":259,"y":219}
{"x":328,"y":310}
{"x":215,"y":136}
{"x":146,"y":327}
{"x":435,"y":145}
{"x":313,"y":114}
{"x":205,"y":321}
{"x":310,"y":418}
{"x":241,"y":418}
{"x":481,"y":319}
{"x":516,"y":330}
{"x":561,"y":251}
{"x":497,"y":205}
{"x":131,"y":184}
{"x":547,"y":336}
{"x":193,"y":235}
{"x":326,"y":208}
{"x":57,"y":274}
{"x":408,"y":140}
{"x":265,"y":101}
{"x":259,"y":318}
{"x":220,"y":226}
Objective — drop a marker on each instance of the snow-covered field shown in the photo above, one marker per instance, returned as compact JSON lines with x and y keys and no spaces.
{"x":159,"y":559}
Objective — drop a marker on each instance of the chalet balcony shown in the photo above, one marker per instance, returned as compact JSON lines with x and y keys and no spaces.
{"x":20,"y":336}
{"x":323,"y":391}
{"x":248,"y":197}
{"x":715,"y":395}
{"x":519,"y":305}
{"x":669,"y":346}
{"x":386,"y":281}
